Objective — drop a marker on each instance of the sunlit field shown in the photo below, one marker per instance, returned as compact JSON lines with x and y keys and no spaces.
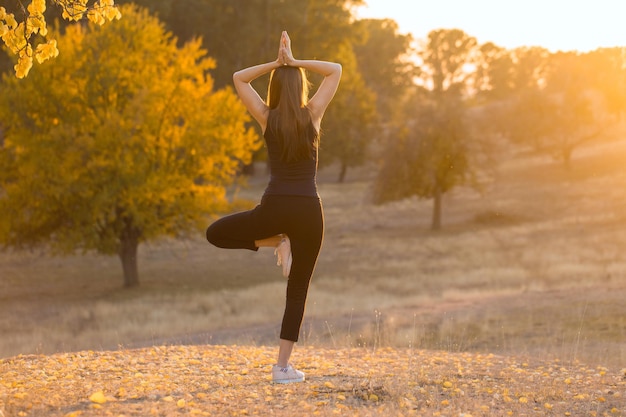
{"x":233,"y":380}
{"x":531,"y":266}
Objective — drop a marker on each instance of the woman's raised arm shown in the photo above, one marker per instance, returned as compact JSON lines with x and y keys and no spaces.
{"x":251,"y":99}
{"x":326,"y":91}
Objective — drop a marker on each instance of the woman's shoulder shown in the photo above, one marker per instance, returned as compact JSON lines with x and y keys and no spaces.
{"x":314,"y":121}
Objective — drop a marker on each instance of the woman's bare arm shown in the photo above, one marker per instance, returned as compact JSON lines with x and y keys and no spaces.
{"x":317,"y":104}
{"x":326,"y":91}
{"x":251,"y":99}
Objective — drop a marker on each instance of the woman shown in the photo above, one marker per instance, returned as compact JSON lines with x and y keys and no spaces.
{"x":289,"y":217}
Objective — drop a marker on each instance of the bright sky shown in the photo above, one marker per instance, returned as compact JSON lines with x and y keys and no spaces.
{"x":582,"y":25}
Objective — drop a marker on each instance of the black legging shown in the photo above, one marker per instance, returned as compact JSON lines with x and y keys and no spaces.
{"x":300,"y":218}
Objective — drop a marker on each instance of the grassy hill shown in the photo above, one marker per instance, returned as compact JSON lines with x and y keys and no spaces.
{"x":532,"y":267}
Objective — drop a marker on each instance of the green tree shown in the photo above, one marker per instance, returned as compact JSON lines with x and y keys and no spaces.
{"x":560,"y":112}
{"x":236,"y":32}
{"x":507,"y":83}
{"x":122,"y":140}
{"x":494,"y":72}
{"x":384,"y":60}
{"x":328,"y":31}
{"x":530,"y":66}
{"x":445,"y":58}
{"x":349,"y":127}
{"x":316,"y":26}
{"x":383,"y":57}
{"x":577,"y":116}
{"x":430,"y":155}
{"x":607,"y":74}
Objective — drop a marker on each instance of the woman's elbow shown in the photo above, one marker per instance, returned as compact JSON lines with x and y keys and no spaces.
{"x":338,"y":69}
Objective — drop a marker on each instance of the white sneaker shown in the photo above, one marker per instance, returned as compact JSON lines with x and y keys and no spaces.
{"x":283,"y":255}
{"x":286,"y":375}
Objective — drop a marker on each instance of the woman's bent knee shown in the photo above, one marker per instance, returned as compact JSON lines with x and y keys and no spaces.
{"x":211,"y":235}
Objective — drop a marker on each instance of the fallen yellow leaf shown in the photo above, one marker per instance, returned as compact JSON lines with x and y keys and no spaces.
{"x":98,"y":398}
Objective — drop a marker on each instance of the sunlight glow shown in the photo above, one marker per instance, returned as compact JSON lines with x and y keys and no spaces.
{"x":566,"y":25}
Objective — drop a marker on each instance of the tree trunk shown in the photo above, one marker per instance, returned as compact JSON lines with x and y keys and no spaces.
{"x":129,"y":243}
{"x":436,"y":223}
{"x":342,"y":173}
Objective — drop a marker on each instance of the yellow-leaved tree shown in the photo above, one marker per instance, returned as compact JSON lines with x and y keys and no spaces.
{"x":122,"y":140}
{"x":18,"y":35}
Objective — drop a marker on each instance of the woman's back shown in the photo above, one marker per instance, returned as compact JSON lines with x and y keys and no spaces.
{"x":296,"y":177}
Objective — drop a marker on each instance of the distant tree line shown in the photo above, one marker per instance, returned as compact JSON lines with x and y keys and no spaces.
{"x":102,"y":149}
{"x":470,"y":99}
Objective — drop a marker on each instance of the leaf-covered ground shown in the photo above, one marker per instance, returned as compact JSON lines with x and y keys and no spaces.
{"x":235,"y":380}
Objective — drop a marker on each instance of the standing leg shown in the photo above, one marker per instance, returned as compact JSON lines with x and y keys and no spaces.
{"x":285,"y":347}
{"x":306,"y":241}
{"x":301,"y":218}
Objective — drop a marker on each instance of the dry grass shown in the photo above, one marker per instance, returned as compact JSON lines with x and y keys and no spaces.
{"x":532,"y":266}
{"x":234,"y":380}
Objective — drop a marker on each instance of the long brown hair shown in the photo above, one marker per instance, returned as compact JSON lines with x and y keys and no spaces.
{"x":289,"y":117}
